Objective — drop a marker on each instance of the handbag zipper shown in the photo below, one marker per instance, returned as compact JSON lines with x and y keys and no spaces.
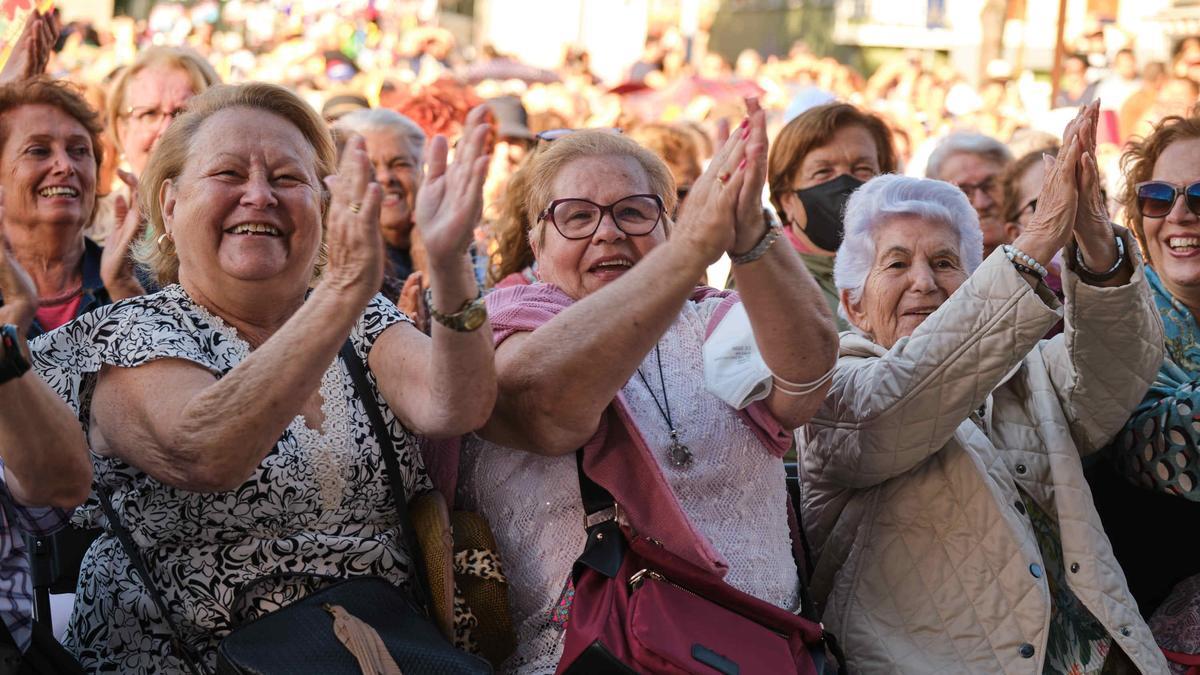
{"x":639,"y":577}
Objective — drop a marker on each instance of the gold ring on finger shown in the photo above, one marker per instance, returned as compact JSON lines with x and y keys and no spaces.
{"x":355,"y":207}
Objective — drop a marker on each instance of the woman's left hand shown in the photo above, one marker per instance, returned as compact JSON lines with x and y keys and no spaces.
{"x":20,"y":299}
{"x":1093,"y":231}
{"x":116,"y":263}
{"x":750,"y":222}
{"x":450,"y":199}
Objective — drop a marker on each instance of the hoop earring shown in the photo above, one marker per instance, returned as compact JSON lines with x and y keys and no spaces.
{"x":164,"y":237}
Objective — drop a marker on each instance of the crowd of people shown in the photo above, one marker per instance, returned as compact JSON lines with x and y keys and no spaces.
{"x":878,"y":370}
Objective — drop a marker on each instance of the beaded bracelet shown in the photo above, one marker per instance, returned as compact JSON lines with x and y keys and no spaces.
{"x":773,"y":232}
{"x":1022,"y":259}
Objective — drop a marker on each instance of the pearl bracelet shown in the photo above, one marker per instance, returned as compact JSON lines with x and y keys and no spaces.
{"x":1016,"y":255}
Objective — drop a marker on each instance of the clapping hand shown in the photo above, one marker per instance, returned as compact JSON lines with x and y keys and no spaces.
{"x":116,"y":264}
{"x":450,"y":199}
{"x":16,"y":288}
{"x":708,"y":219}
{"x":1093,"y":229}
{"x":354,"y":245}
{"x":750,"y":222}
{"x":1054,"y":222}
{"x":32,"y":50}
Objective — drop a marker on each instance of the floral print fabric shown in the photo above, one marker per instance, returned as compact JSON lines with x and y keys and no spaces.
{"x":203,"y":548}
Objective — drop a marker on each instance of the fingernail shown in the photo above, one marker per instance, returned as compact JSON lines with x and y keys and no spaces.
{"x":745,"y":122}
{"x":742,"y":164}
{"x":746,"y":133}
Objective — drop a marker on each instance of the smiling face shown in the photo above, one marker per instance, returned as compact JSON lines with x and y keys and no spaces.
{"x":398,"y":171}
{"x":916,"y":269}
{"x":246,"y":208}
{"x":48,"y":168}
{"x":583,"y":266}
{"x":152,"y":97}
{"x":1173,"y":241}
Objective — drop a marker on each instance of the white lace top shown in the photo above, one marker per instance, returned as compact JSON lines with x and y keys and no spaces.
{"x":734,"y":492}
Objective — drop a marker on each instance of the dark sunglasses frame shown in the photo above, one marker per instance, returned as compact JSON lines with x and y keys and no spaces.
{"x":1191,"y":193}
{"x":548,"y":214}
{"x":551,"y":135}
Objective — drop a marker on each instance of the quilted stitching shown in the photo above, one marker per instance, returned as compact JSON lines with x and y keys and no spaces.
{"x":921,"y":557}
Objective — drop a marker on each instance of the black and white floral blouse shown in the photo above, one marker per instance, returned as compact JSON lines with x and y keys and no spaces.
{"x":318,"y":504}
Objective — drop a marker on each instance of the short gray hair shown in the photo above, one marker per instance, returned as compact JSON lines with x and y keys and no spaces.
{"x":383,"y":119}
{"x":969,"y":143}
{"x":883,"y":198}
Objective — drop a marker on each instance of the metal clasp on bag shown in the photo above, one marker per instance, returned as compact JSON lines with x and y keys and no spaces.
{"x":602,"y":516}
{"x":641,"y":575}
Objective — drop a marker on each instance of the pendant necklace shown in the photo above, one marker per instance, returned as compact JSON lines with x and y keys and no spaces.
{"x":678,"y":454}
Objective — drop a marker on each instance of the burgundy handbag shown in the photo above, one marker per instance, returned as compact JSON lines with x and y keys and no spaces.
{"x":639,"y":608}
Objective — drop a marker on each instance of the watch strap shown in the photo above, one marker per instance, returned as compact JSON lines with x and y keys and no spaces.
{"x":453,"y":321}
{"x":13,"y":363}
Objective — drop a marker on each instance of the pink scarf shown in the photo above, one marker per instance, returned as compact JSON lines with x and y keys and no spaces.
{"x":617,"y":456}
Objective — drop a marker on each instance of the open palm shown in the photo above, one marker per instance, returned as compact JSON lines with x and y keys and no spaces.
{"x":450,"y":200}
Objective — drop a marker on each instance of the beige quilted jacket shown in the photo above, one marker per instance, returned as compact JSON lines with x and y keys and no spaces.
{"x":925,"y":559}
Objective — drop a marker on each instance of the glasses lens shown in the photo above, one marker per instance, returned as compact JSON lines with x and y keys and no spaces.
{"x":637,"y":215}
{"x":576,"y":218}
{"x":1192,"y":194}
{"x":1155,"y":199}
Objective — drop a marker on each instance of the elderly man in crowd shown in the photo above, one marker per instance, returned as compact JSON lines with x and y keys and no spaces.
{"x":394,"y":146}
{"x":974,"y":163}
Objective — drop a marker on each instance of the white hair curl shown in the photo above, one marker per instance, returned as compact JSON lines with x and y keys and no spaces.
{"x":883,"y":198}
{"x":966,"y":143}
{"x":384,"y":119}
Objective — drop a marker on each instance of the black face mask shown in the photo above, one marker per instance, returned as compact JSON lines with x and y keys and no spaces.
{"x":824,"y":205}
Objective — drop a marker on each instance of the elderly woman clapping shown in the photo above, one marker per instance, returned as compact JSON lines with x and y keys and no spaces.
{"x":218,"y":413}
{"x":953,"y":528}
{"x":607,"y":351}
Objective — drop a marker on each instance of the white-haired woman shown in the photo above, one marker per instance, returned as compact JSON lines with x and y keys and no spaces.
{"x":953,"y":528}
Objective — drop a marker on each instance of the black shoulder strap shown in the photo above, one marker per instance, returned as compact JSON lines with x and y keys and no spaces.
{"x":358,"y":373}
{"x":605,"y":547}
{"x":182,"y":651}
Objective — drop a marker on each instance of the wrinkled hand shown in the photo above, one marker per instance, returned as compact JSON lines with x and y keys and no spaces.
{"x":32,"y":50}
{"x":450,"y":199}
{"x":16,"y":288}
{"x":751,"y":226}
{"x":707,"y":221}
{"x":116,"y":263}
{"x":354,"y":245}
{"x":412,"y":301}
{"x":1054,"y":222}
{"x":1093,"y":229}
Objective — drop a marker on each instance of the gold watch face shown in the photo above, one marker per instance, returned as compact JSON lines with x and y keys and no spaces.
{"x":474,"y":316}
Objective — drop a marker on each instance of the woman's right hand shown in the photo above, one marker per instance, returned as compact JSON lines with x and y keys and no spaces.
{"x":354,"y":245}
{"x":1053,"y":224}
{"x":16,"y":287}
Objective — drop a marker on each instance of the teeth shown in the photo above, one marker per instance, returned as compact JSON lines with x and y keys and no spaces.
{"x":256,"y":228}
{"x":58,"y":191}
{"x":615,"y":263}
{"x":1183,"y":243}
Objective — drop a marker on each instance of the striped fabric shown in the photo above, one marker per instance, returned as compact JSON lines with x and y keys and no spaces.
{"x":16,"y":591}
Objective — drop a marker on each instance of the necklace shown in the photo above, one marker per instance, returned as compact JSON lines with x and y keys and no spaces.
{"x":678,"y":454}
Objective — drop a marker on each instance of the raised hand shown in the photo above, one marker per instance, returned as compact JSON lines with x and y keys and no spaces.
{"x":750,"y":222}
{"x":1054,"y":222}
{"x":1093,"y":229}
{"x":708,"y":217}
{"x":450,"y":199}
{"x":31,"y":52}
{"x":16,"y":288}
{"x":354,"y":245}
{"x":116,"y":264}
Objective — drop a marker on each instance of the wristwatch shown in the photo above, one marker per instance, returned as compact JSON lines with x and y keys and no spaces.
{"x":469,"y":316}
{"x":13,"y":363}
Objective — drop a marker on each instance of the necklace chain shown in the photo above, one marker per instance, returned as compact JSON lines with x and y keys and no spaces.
{"x":678,"y":454}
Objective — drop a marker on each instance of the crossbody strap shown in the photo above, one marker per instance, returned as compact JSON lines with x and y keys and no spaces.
{"x":139,"y":565}
{"x":358,"y":373}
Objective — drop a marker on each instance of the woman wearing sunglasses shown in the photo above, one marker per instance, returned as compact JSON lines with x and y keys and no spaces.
{"x":1149,"y":495}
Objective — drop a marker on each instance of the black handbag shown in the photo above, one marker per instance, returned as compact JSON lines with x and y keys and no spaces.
{"x":300,"y":637}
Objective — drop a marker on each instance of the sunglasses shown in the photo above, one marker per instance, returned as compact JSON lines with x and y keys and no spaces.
{"x":555,"y":134}
{"x":1156,"y":198}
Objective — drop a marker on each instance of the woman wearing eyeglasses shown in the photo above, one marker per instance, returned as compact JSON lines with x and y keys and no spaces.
{"x":606,"y":354}
{"x":1149,"y":496}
